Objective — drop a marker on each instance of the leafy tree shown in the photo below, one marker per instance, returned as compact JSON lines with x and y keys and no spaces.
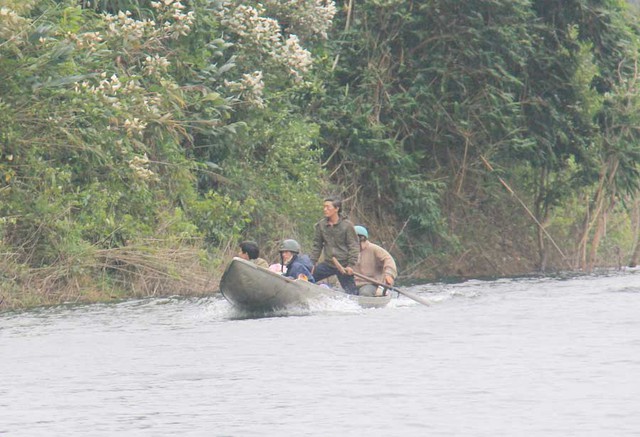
{"x":128,"y":120}
{"x":431,"y":91}
{"x":423,"y":90}
{"x":587,"y":50}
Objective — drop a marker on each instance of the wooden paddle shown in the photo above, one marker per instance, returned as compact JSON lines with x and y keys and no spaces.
{"x":381,"y":284}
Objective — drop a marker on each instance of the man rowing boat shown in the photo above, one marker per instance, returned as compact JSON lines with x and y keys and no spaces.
{"x":375,"y":263}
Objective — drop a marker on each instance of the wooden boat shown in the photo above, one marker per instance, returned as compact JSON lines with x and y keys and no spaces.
{"x":254,"y":288}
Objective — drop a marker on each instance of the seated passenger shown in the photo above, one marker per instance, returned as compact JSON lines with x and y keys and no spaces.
{"x":277,"y":268}
{"x":298,"y":266}
{"x":249,"y":250}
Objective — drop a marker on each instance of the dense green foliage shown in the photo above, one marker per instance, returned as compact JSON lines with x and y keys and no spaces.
{"x":129,"y":134}
{"x":440,"y":92}
{"x":141,"y":140}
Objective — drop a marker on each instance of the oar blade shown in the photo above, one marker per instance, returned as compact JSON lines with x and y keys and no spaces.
{"x":415,"y":297}
{"x":373,"y":281}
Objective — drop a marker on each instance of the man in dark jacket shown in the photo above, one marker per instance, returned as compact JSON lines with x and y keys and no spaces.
{"x":335,"y":235}
{"x":298,"y":266}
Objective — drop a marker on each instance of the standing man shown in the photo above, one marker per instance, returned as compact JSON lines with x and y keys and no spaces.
{"x":334,"y":235}
{"x":375,"y":263}
{"x":249,"y":250}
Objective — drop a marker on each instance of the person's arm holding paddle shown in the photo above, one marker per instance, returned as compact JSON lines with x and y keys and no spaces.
{"x":388,"y":278}
{"x":375,"y":262}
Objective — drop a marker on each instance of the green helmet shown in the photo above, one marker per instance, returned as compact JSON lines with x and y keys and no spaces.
{"x":361,"y":230}
{"x":290,"y":245}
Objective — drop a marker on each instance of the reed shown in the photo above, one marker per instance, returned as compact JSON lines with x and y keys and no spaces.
{"x":147,"y":269}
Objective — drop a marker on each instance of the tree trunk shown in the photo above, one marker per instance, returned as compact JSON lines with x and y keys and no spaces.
{"x":605,"y":190}
{"x":590,"y":219}
{"x":541,"y":213}
{"x":598,"y":233}
{"x":581,"y":256}
{"x":635,"y":256}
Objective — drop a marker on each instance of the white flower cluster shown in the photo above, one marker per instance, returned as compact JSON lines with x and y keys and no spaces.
{"x":87,"y":40}
{"x":113,"y":86}
{"x":249,"y":25}
{"x":250,"y":88}
{"x":109,"y":88}
{"x":305,"y":18}
{"x":12,"y":25}
{"x":173,"y":22}
{"x":298,"y":59}
{"x":152,"y":104}
{"x":155,"y":64}
{"x":264,"y":34}
{"x":122,"y":25}
{"x":134,"y":127}
{"x":139,"y":166}
{"x":176,"y":22}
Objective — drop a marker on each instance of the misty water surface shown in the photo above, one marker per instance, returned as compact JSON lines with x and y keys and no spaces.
{"x":510,"y":357}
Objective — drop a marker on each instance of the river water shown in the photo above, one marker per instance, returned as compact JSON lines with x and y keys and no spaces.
{"x":508,"y":357}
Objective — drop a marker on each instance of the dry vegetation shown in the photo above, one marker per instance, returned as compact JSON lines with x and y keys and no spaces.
{"x":110,"y":274}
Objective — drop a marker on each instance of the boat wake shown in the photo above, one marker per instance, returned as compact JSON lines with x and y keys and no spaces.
{"x":218,"y":308}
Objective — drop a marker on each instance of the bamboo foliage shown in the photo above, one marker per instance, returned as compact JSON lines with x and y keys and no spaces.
{"x":619,"y":174}
{"x":526,"y":84}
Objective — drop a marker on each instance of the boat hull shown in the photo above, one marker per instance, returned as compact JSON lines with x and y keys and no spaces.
{"x":250,"y":287}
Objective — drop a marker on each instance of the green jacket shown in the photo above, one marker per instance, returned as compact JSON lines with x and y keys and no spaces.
{"x":260,"y":262}
{"x":339,"y":240}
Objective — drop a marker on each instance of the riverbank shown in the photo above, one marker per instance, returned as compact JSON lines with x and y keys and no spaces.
{"x":134,"y":273}
{"x":111,"y":275}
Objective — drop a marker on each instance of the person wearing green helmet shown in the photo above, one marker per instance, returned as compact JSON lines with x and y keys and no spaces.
{"x":298,"y":266}
{"x":375,"y":263}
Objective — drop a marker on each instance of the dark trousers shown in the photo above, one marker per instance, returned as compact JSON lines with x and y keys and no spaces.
{"x":324,"y":270}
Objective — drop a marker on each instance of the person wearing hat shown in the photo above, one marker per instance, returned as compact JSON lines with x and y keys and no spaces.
{"x":375,"y":263}
{"x":298,"y":266}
